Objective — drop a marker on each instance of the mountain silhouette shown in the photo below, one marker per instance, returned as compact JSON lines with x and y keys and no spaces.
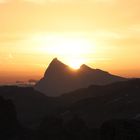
{"x":60,"y":78}
{"x":76,"y":115}
{"x":97,"y":104}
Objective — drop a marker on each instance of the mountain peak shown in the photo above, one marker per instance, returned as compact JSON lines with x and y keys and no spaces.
{"x":85,"y":67}
{"x":55,"y":61}
{"x":55,"y":65}
{"x":59,"y":79}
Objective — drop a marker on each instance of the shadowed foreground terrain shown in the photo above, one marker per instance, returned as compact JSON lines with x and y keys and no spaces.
{"x":106,"y":112}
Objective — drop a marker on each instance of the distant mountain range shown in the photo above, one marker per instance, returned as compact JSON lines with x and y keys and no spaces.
{"x":60,"y":78}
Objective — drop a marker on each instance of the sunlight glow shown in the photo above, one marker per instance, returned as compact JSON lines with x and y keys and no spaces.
{"x":71,"y":50}
{"x":75,"y":66}
{"x":75,"y":63}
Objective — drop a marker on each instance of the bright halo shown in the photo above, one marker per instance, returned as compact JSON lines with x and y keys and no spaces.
{"x":75,"y":64}
{"x":69,"y":49}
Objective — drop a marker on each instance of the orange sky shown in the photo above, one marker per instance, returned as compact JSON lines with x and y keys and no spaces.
{"x":104,"y":34}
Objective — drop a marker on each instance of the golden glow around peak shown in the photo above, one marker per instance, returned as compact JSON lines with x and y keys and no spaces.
{"x":75,"y":64}
{"x":71,"y":50}
{"x":65,"y":45}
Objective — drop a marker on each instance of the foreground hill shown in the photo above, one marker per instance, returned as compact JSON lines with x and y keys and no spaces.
{"x":31,"y":106}
{"x":60,"y":78}
{"x":94,"y":104}
{"x":98,"y":104}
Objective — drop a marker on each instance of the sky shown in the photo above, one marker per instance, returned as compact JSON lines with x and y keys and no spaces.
{"x":103,"y":34}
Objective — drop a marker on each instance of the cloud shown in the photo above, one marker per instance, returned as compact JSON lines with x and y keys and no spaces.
{"x":9,"y":38}
{"x":10,"y":56}
{"x":37,"y":1}
{"x":70,"y":1}
{"x":3,"y":1}
{"x":105,"y":1}
{"x":107,"y":34}
{"x":21,"y":1}
{"x":101,"y":2}
{"x":51,"y":1}
{"x":135,"y":29}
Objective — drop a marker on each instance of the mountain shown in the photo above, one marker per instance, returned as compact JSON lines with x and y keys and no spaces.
{"x":60,"y":78}
{"x":94,"y":106}
{"x":98,"y":104}
{"x":31,"y":106}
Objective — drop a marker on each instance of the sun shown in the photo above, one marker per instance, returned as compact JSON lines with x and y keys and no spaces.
{"x":75,"y":65}
{"x":72,"y":50}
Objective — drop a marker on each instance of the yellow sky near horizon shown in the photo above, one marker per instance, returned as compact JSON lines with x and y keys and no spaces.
{"x":104,"y":34}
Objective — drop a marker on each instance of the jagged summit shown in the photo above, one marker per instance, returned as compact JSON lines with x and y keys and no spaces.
{"x":55,"y":61}
{"x":55,"y":66}
{"x":84,"y":67}
{"x":59,"y":78}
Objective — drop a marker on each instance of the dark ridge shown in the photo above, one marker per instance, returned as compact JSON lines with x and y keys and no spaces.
{"x":59,"y":79}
